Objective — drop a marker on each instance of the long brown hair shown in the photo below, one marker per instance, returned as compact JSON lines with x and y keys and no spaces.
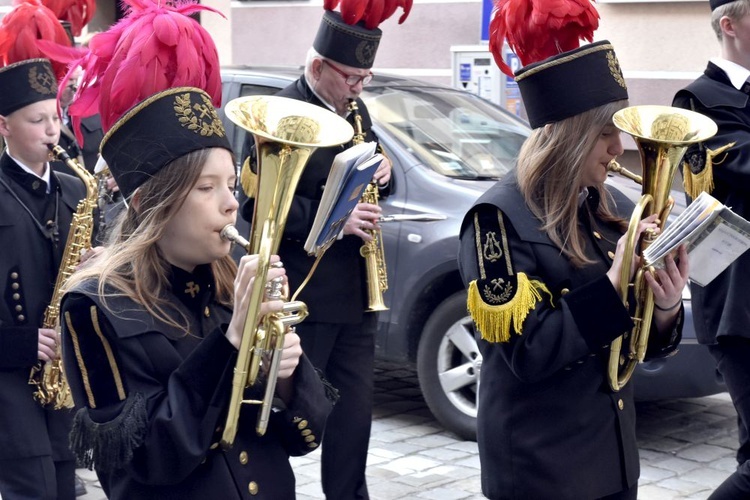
{"x":550,"y":167}
{"x":132,"y":264}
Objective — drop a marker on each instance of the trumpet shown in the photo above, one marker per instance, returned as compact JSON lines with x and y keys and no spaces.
{"x":286,"y":133}
{"x":269,"y":336}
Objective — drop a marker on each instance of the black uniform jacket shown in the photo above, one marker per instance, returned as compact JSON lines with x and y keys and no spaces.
{"x":28,"y":269}
{"x":722,"y":307}
{"x":154,"y":400}
{"x":337,"y":292}
{"x":548,"y":424}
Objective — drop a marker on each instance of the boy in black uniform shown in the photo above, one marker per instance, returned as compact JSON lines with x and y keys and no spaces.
{"x":36,"y":208}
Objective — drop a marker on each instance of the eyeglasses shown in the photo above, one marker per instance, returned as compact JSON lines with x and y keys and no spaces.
{"x":351,"y":80}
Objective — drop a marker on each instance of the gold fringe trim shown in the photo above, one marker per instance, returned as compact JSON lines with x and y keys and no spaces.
{"x":494,"y":321}
{"x":695,"y":184}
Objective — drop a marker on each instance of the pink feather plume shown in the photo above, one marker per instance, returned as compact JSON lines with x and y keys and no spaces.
{"x":538,"y":29}
{"x":22,"y":30}
{"x":371,"y":12}
{"x":153,"y":48}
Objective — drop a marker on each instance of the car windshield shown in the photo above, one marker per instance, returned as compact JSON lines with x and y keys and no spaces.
{"x":455,"y":133}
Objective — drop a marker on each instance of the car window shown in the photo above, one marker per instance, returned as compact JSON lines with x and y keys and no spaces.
{"x":454,"y":133}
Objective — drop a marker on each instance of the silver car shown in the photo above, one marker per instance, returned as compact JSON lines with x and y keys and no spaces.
{"x":447,"y":147}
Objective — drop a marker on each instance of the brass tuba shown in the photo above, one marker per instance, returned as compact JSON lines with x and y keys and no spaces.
{"x":286,"y":133}
{"x":662,"y":134}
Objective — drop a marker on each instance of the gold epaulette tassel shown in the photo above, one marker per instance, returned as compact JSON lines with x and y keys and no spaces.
{"x":695,"y":184}
{"x":494,"y":321}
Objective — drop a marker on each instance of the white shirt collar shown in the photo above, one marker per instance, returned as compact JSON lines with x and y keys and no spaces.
{"x":737,"y":74}
{"x":44,"y":177}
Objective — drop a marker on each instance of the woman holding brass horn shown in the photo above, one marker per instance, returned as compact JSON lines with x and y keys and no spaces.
{"x":152,"y":325}
{"x":150,"y":339}
{"x":541,"y":254}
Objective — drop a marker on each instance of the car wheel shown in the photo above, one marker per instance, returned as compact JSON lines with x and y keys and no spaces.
{"x":448,"y":363}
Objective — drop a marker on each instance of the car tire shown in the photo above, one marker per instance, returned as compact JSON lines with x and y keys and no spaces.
{"x":448,"y":363}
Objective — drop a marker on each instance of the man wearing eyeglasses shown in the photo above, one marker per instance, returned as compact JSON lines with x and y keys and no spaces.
{"x":91,"y":131}
{"x":338,"y":335}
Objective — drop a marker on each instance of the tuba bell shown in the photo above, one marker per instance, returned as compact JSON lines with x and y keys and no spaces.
{"x":662,"y":134}
{"x":286,"y":133}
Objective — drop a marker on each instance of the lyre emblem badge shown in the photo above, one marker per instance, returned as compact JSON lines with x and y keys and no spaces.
{"x":491,"y":250}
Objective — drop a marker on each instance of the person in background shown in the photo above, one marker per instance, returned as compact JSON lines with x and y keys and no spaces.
{"x":36,"y":207}
{"x":150,"y":336}
{"x":721,"y":166}
{"x":339,"y":334}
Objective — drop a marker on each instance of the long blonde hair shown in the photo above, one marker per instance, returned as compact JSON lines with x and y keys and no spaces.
{"x":550,"y":167}
{"x":132,"y":264}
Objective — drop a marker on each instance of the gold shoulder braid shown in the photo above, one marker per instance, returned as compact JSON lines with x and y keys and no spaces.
{"x":500,"y":295}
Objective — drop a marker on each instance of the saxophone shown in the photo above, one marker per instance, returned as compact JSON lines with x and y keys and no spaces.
{"x":372,"y":251}
{"x":49,"y":379}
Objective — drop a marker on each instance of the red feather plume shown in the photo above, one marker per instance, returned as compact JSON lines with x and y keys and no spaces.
{"x":77,"y":12}
{"x":153,"y":48}
{"x":24,"y":28}
{"x":371,"y":12}
{"x":538,"y":29}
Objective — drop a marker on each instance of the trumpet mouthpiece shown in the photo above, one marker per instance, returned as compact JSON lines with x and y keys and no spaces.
{"x":230,"y":233}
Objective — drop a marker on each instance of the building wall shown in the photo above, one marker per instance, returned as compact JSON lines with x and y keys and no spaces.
{"x":661,"y":45}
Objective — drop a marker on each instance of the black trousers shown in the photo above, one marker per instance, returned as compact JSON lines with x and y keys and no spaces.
{"x":37,"y":478}
{"x":732,"y":356}
{"x":346,"y":355}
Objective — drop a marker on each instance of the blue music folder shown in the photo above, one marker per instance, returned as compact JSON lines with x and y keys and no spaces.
{"x":331,"y":217}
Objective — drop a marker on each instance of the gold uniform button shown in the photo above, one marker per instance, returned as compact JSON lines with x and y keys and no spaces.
{"x":207,"y":312}
{"x":306,"y":432}
{"x":312,"y":445}
{"x":16,"y":296}
{"x":597,"y":235}
{"x":15,"y":286}
{"x":620,"y":404}
{"x":243,"y":457}
{"x":214,"y":446}
{"x":14,"y":276}
{"x":310,"y":438}
{"x":611,"y":255}
{"x":252,"y":488}
{"x":21,"y":317}
{"x":302,"y":424}
{"x":564,"y":291}
{"x":19,"y":308}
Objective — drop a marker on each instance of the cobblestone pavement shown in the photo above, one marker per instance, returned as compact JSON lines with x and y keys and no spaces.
{"x":686,"y":449}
